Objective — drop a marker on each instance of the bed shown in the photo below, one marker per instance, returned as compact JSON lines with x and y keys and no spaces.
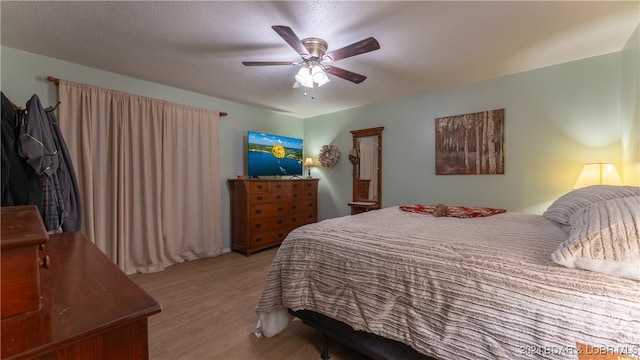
{"x":505,"y":286}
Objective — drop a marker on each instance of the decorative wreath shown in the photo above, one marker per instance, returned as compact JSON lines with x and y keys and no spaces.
{"x":329,"y":156}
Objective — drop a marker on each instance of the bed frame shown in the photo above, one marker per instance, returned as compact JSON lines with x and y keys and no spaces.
{"x":373,"y":346}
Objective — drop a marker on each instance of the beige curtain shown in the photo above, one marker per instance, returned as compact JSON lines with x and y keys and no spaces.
{"x":369,"y":167}
{"x":148,"y":175}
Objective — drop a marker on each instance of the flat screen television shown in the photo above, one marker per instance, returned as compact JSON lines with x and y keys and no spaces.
{"x":273,"y":155}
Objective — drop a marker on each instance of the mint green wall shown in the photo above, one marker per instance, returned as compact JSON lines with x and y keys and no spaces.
{"x":24,"y":74}
{"x":630,"y":109}
{"x":556,"y":119}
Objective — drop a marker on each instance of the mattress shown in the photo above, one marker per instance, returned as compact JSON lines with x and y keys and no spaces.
{"x":475,"y":288}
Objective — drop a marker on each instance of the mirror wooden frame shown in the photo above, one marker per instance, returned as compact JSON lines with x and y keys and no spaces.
{"x":358,"y":205}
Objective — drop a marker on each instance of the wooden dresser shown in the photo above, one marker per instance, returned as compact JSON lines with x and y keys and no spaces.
{"x":23,"y":240}
{"x":263,"y":212}
{"x":87,"y":307}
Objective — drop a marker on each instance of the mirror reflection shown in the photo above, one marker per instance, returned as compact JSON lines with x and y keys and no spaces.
{"x":367,"y":149}
{"x":366,"y":157}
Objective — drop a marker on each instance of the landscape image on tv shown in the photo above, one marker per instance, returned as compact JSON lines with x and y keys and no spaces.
{"x":273,"y":155}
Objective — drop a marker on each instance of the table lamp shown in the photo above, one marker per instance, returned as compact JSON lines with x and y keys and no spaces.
{"x":598,"y":174}
{"x":308,"y":162}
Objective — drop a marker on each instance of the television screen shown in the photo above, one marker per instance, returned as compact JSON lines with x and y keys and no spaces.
{"x":272,"y":155}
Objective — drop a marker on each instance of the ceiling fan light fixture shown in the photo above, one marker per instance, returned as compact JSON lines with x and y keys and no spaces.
{"x":317,"y":74}
{"x":323,"y":81}
{"x":303,"y":77}
{"x":313,"y":53}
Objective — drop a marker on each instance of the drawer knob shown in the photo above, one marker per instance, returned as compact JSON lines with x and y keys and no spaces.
{"x":258,"y":239}
{"x":45,"y":262}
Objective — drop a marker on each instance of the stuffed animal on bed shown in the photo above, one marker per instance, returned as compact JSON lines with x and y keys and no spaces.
{"x":440,"y":210}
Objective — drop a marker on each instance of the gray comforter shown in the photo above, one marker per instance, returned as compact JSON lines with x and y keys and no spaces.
{"x":478,"y":288}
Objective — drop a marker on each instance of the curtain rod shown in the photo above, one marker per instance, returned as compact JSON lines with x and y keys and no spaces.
{"x":57,"y":82}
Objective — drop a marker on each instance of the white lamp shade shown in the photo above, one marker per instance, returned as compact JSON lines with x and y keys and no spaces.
{"x":317,"y":74}
{"x":598,"y":174}
{"x":308,"y":162}
{"x":308,"y":76}
{"x":323,"y":81}
{"x":303,"y":77}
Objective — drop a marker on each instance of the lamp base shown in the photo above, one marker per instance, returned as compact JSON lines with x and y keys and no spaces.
{"x":309,"y":173}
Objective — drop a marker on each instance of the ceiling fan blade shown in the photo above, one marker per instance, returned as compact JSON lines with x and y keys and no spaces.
{"x":360,"y":47}
{"x":291,"y":38}
{"x":268,"y":63}
{"x":346,"y":74}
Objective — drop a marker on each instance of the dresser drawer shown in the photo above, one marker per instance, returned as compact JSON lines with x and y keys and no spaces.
{"x":280,"y":186}
{"x":267,"y":210}
{"x":304,"y":184}
{"x":299,"y":186}
{"x":20,"y":281}
{"x":268,"y":197}
{"x":302,"y":206}
{"x":260,"y":239}
{"x":363,"y":189}
{"x":299,"y":219}
{"x":303,"y":195}
{"x":23,"y":237}
{"x":267,"y":223}
{"x":255,"y":186}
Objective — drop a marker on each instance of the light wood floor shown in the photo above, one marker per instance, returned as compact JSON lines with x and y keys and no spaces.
{"x":208,"y":312}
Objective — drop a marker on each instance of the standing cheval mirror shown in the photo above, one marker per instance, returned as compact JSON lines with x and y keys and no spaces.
{"x":366,"y":157}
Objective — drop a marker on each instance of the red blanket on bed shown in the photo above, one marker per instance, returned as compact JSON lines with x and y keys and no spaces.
{"x":454,"y":211}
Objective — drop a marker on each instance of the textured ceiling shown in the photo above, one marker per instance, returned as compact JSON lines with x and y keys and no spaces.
{"x":425,"y":45}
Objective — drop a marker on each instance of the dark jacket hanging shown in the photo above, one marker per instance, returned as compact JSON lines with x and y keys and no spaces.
{"x":36,"y":145}
{"x":36,"y":166}
{"x":66,"y":177}
{"x":20,"y":184}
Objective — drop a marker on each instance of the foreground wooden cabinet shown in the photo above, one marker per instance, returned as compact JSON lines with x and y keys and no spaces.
{"x":263,"y":212}
{"x":23,"y":240}
{"x":88,"y":308}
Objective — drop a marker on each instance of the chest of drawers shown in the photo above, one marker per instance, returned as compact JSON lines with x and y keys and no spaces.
{"x":263,"y":212}
{"x":23,"y":239}
{"x":63,"y":299}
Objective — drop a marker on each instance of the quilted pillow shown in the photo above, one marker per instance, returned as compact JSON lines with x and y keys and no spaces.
{"x":604,"y":237}
{"x":568,"y":204}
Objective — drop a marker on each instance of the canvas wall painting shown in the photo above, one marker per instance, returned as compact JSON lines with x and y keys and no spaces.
{"x":470,"y":144}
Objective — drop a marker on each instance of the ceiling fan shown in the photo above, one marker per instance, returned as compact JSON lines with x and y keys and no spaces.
{"x":316,"y":60}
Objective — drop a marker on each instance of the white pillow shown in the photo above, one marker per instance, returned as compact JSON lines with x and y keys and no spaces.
{"x":604,"y":237}
{"x":568,"y":204}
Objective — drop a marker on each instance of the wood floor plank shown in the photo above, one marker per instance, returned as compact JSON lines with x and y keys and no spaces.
{"x":208,"y":312}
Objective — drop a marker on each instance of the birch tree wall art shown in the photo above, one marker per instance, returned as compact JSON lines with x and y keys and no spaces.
{"x":470,"y":144}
